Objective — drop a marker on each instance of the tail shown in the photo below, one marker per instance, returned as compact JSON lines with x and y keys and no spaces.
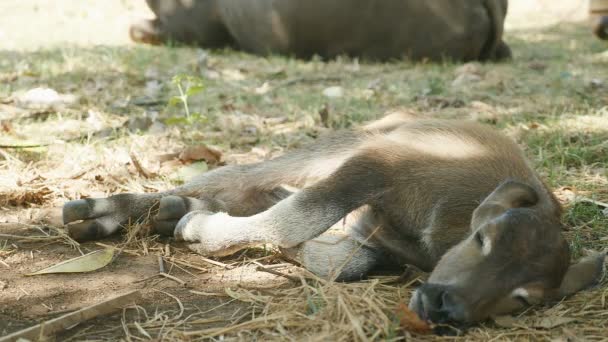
{"x":495,"y":48}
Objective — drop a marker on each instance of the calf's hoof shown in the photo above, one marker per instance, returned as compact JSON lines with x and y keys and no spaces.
{"x":90,"y":219}
{"x":171,"y":209}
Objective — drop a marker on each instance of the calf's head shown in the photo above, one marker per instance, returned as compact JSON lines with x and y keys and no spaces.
{"x":515,"y":256}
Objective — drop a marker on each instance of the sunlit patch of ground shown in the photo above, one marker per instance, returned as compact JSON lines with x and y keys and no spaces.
{"x":113,"y":111}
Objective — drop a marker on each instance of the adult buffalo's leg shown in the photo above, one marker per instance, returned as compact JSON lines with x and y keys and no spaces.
{"x":147,"y":31}
{"x":187,"y":22}
{"x":503,"y":52}
{"x":600,"y":29}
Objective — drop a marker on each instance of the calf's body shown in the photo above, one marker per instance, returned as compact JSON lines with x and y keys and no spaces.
{"x":397,"y":191}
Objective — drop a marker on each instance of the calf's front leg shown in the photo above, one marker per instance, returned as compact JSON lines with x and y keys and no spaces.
{"x":295,"y":219}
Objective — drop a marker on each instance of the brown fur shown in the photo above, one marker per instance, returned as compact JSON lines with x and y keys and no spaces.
{"x":452,"y":197}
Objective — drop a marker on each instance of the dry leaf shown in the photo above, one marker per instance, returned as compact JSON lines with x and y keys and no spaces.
{"x":200,"y":152}
{"x":25,"y":196}
{"x":86,"y":263}
{"x":46,"y":330}
{"x":44,"y":97}
{"x":410,"y":321}
{"x":187,"y":172}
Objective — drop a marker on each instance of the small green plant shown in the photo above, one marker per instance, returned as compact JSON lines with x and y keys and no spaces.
{"x":187,"y":86}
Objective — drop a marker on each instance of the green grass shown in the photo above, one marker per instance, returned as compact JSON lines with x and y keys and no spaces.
{"x":552,"y":98}
{"x":544,"y":98}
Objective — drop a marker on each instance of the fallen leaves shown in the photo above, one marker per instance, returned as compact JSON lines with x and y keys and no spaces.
{"x":190,"y":162}
{"x":187,"y":172}
{"x":25,"y":196}
{"x":86,"y":263}
{"x":44,"y":98}
{"x":333,"y":92}
{"x":200,"y":152}
{"x":410,"y":321}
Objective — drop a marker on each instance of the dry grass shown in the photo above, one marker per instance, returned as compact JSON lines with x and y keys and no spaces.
{"x":551,"y":98}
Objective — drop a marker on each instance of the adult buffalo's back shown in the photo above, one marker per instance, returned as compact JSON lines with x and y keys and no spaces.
{"x":373,"y":29}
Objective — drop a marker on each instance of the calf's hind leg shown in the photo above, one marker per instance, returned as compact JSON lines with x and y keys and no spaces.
{"x":240,"y":190}
{"x":94,"y":218}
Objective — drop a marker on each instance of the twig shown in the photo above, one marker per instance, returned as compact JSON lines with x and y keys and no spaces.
{"x":589,"y":200}
{"x":309,"y":80}
{"x":30,"y":238}
{"x":219,"y":294}
{"x":264,"y":269}
{"x":187,"y":264}
{"x":161,"y":264}
{"x":216,"y":263}
{"x":179,"y":303}
{"x":54,"y":326}
{"x":25,"y":145}
{"x":142,"y":171}
{"x":172,"y":278}
{"x":147,"y":278}
{"x":274,"y":266}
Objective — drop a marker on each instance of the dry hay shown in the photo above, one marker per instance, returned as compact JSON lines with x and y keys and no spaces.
{"x":319,"y":310}
{"x":308,"y":308}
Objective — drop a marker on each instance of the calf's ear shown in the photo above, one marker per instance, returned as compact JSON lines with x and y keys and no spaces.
{"x":585,"y":273}
{"x":508,"y":195}
{"x":512,"y":194}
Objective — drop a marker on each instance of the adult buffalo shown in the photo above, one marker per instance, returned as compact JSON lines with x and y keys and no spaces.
{"x":371,"y":29}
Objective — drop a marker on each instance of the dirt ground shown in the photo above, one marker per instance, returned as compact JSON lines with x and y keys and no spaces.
{"x":113,"y":109}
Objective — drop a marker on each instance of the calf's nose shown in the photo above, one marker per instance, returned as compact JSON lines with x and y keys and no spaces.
{"x":439,"y":304}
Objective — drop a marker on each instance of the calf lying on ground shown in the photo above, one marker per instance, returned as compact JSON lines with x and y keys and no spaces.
{"x":455,"y":198}
{"x":374,"y":29}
